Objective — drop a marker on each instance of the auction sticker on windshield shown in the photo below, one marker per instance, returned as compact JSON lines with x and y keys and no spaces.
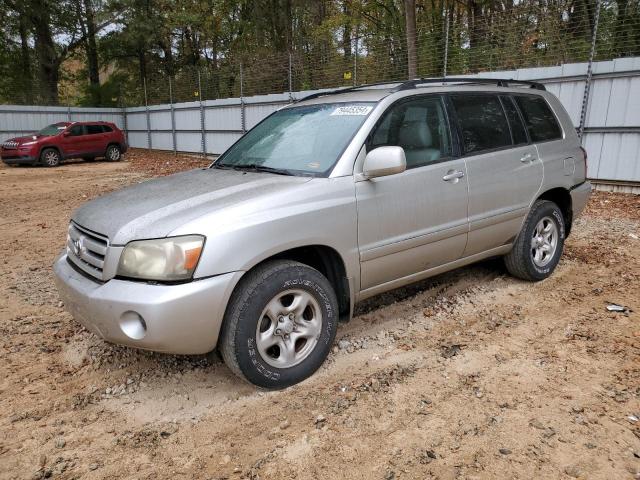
{"x":352,"y":110}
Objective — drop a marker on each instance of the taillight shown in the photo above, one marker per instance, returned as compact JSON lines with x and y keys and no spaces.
{"x":584,"y":155}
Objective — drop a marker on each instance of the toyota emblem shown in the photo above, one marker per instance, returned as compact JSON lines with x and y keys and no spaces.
{"x":77,"y":247}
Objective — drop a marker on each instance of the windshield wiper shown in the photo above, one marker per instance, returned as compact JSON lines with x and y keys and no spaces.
{"x":256,"y":168}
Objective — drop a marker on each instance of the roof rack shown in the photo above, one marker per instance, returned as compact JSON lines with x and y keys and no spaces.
{"x":415,"y":83}
{"x":500,"y":82}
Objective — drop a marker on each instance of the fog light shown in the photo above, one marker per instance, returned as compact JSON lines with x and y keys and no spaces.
{"x":133,"y":325}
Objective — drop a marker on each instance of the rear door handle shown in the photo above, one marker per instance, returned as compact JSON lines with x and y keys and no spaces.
{"x":526,"y":158}
{"x":453,"y":175}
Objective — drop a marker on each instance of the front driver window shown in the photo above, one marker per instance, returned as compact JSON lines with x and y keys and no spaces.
{"x":419,"y":126}
{"x":76,"y":130}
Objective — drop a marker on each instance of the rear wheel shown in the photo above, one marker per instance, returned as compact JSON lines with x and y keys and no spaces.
{"x":113,"y":153}
{"x":50,"y":157}
{"x":539,"y":245}
{"x":280,"y":324}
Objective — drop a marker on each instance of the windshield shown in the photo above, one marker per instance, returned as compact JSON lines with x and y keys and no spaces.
{"x":50,"y":130}
{"x":306,"y":140}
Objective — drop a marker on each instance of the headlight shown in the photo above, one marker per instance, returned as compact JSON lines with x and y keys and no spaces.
{"x":165,"y":259}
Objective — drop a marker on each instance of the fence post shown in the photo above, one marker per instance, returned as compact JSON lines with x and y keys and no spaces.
{"x":446,"y":42}
{"x":290,"y":80}
{"x":243,"y":120}
{"x":68,"y":113}
{"x":587,"y":84}
{"x":355,"y":61}
{"x":125,"y":127}
{"x":173,"y":118}
{"x":202,"y":121}
{"x":146,"y":106}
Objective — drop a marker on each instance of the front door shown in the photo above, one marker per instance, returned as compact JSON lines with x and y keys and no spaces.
{"x":504,"y":169}
{"x":417,"y":220}
{"x":72,"y":144}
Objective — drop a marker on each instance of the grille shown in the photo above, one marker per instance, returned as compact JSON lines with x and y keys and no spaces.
{"x":87,"y":249}
{"x":10,"y":145}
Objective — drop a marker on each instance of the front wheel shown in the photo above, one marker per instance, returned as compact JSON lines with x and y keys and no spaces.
{"x":539,"y":245}
{"x":280,"y":324}
{"x":50,"y":157}
{"x":113,"y":153}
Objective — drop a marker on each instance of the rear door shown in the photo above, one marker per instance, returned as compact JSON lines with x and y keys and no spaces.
{"x":559,"y":158}
{"x":416,"y":220}
{"x":504,"y":170}
{"x":96,"y":140}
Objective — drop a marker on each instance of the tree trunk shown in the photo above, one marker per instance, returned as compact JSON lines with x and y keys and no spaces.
{"x":25,"y":59}
{"x":92,"y":49}
{"x":92,"y":53}
{"x":410,"y":21}
{"x":49,"y":66}
{"x":346,"y":31}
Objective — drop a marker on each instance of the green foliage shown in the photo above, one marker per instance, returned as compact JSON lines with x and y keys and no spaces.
{"x":199,"y":47}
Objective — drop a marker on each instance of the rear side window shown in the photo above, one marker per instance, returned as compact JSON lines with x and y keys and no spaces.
{"x":94,"y":129}
{"x":482,"y":122}
{"x":540,"y":120}
{"x":107,"y":129}
{"x":515,"y":122}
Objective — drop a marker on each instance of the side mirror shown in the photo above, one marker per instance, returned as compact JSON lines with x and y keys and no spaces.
{"x":384,"y":161}
{"x":66,"y":133}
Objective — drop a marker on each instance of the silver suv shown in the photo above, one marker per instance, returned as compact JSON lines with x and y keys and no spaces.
{"x":329,"y":201}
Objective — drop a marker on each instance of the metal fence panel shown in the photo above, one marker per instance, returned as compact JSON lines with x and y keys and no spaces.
{"x":612,"y":124}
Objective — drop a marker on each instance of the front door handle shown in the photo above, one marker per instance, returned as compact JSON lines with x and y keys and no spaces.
{"x":526,"y":158}
{"x":453,"y":176}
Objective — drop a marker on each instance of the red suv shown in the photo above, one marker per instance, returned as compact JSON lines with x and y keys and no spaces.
{"x":63,"y":140}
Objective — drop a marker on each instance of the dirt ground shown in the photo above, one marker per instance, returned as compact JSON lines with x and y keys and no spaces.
{"x":469,"y":375}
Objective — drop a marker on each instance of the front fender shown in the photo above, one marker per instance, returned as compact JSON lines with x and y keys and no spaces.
{"x":319,"y":212}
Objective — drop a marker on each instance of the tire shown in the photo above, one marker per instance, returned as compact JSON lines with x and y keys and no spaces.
{"x":539,"y":245}
{"x":253,"y":318}
{"x":113,"y":153}
{"x":50,"y":157}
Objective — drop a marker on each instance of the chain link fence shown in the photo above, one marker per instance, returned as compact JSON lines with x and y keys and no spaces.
{"x":450,"y":39}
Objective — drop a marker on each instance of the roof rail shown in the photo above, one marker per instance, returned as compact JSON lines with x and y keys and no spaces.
{"x":500,"y":82}
{"x":409,"y":84}
{"x":346,"y":90}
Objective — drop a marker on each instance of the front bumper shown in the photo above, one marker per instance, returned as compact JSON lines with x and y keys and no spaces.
{"x":182,"y":319}
{"x":579,"y":197}
{"x":16,"y":158}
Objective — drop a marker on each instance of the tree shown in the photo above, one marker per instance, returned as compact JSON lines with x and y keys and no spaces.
{"x":410,"y":22}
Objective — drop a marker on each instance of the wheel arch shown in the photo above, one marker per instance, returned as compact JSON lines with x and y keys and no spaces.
{"x":116,"y":143}
{"x":327,"y":261}
{"x":54,"y":147}
{"x":561,"y":197}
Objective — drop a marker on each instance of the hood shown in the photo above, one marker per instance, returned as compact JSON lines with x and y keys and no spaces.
{"x":17,"y":141}
{"x":153,"y":209}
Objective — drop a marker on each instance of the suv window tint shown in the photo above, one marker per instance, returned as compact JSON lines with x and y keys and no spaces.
{"x":482,"y":122}
{"x":107,"y":129}
{"x":93,"y":129}
{"x":518,"y":132}
{"x":76,"y":130}
{"x":540,"y":120}
{"x":419,"y":126}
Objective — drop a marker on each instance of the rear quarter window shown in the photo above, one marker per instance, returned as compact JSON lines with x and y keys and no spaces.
{"x":107,"y":129}
{"x":539,"y":119}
